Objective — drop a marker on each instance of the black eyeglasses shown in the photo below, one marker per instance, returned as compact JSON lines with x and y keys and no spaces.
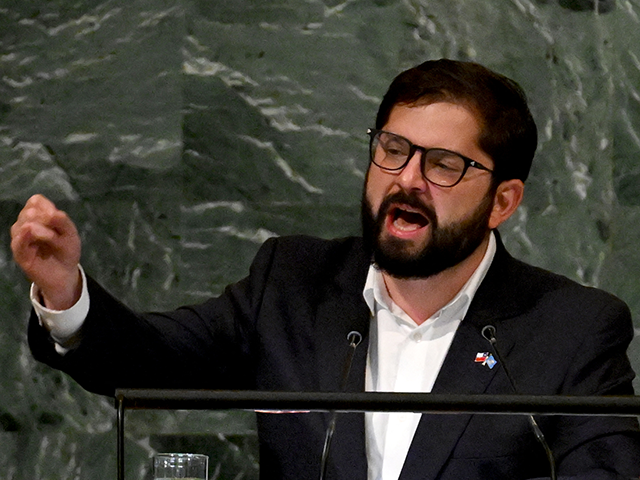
{"x":439,"y":166}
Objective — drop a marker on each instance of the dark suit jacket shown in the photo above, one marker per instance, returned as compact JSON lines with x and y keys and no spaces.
{"x":284,"y":327}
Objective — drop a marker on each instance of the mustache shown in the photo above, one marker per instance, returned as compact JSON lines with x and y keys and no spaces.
{"x":402,"y":197}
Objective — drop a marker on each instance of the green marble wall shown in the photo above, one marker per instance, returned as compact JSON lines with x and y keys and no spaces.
{"x":179,"y":134}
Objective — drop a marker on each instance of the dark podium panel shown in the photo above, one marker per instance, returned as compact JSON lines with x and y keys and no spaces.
{"x":136,"y":399}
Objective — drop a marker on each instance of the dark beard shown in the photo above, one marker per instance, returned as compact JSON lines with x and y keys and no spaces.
{"x":447,"y":247}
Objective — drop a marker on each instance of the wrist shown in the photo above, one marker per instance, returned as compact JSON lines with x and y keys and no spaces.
{"x":63,"y":325}
{"x":61,"y":298}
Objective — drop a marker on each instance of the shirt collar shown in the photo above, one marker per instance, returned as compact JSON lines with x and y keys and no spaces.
{"x":376,"y":296}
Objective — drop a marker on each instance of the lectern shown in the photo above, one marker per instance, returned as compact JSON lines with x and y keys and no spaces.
{"x":627,"y":406}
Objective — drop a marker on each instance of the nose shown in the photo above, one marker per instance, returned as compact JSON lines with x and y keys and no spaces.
{"x":410,"y":177}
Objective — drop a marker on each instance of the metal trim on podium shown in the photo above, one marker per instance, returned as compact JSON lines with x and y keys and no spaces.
{"x":136,"y":399}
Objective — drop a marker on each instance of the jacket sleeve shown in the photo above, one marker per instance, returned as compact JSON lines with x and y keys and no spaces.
{"x":120,"y":348}
{"x":600,"y":446}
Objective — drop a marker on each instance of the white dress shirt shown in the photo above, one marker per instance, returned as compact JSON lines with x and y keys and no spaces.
{"x":406,"y":357}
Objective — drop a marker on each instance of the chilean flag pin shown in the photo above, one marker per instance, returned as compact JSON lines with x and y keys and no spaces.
{"x":486,"y":358}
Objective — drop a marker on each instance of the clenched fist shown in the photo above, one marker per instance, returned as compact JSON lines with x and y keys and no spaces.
{"x":46,"y":245}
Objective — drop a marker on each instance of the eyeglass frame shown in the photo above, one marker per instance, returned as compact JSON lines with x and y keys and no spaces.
{"x":413,"y":148}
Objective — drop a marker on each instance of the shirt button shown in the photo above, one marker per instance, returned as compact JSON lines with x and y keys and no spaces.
{"x":417,"y":337}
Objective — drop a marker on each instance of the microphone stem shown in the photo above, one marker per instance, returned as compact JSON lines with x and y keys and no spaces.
{"x":354,"y":340}
{"x":532,"y":421}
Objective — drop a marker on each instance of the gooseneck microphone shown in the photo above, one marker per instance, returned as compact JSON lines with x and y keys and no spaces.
{"x":489,"y":332}
{"x":354,"y":339}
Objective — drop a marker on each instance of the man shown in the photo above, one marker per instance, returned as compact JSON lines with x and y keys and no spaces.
{"x":452,"y":148}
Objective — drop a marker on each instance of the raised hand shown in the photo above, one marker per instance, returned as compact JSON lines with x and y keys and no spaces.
{"x":46,"y":245}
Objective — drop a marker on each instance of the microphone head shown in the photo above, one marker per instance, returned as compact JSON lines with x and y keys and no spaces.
{"x":489,"y":332}
{"x":354,"y":338}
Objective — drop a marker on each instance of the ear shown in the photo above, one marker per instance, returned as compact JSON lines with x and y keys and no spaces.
{"x":506,"y":200}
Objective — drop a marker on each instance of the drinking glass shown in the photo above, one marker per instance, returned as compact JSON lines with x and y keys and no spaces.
{"x":184,"y":466}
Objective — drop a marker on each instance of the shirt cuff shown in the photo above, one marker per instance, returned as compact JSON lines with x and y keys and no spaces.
{"x":63,"y":325}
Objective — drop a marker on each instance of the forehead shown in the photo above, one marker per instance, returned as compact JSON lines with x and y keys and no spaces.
{"x":434,"y":120}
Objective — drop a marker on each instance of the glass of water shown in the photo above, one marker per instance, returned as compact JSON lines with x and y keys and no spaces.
{"x":173,"y":466}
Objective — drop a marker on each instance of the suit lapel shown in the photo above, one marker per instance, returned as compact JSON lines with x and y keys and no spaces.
{"x":438,"y":434}
{"x":496,"y":301}
{"x":342,"y":309}
{"x":336,"y":318}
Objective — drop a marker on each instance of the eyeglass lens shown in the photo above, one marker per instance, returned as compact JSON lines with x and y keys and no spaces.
{"x":392,"y":152}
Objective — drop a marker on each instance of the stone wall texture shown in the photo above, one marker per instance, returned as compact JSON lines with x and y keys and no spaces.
{"x":180,"y":134}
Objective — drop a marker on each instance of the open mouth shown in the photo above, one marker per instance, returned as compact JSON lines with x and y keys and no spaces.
{"x":405,"y":219}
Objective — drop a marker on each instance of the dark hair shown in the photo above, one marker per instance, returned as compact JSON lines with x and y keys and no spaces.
{"x":508,"y":133}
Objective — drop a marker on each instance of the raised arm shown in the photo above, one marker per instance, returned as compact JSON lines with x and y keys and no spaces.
{"x":46,"y":245}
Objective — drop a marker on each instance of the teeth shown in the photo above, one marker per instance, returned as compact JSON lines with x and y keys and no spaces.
{"x":408,"y":220}
{"x":400,"y":224}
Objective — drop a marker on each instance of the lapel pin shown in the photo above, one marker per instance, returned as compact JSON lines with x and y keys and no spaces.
{"x":486,"y":358}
